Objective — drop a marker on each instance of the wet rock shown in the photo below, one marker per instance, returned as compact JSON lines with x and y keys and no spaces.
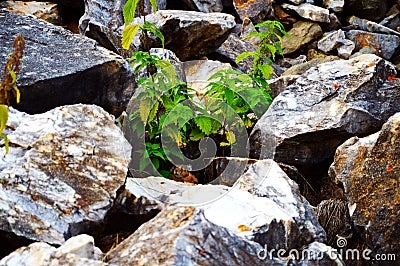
{"x":231,"y":48}
{"x":199,"y":71}
{"x":78,"y":250}
{"x":324,"y":107}
{"x":302,"y":33}
{"x":384,"y":44}
{"x":331,"y":41}
{"x":62,"y":172}
{"x":256,"y":10}
{"x":177,"y":26}
{"x":206,"y":6}
{"x":308,"y":11}
{"x":369,"y":9}
{"x":302,"y":68}
{"x":62,"y":68}
{"x":369,"y":170}
{"x":273,"y":201}
{"x":46,"y":11}
{"x":334,"y":5}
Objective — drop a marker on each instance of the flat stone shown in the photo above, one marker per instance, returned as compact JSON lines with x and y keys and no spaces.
{"x":369,"y":170}
{"x":62,"y":172}
{"x":64,"y":68}
{"x":302,"y":33}
{"x":308,"y":11}
{"x":325,"y":106}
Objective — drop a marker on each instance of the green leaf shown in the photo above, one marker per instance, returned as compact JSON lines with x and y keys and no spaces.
{"x":6,"y":141}
{"x":129,"y":11}
{"x":128,"y":34}
{"x":153,"y":29}
{"x":144,"y":109}
{"x":154,"y":5}
{"x":3,"y":117}
{"x":155,"y":162}
{"x":153,"y":112}
{"x":244,"y":55}
{"x":204,"y":124}
{"x":196,"y":134}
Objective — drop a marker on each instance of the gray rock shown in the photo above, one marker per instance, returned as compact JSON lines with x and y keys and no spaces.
{"x":369,"y":169}
{"x":324,"y":107}
{"x":206,"y":6}
{"x":331,"y":41}
{"x":77,"y":251}
{"x":255,"y":10}
{"x":199,"y":71}
{"x":296,"y":2}
{"x":345,"y":49}
{"x":319,"y":254}
{"x":267,"y":200}
{"x":391,"y":22}
{"x":308,"y":11}
{"x":384,"y":44}
{"x":280,"y":84}
{"x":364,"y":50}
{"x":64,"y":68}
{"x":103,"y":17}
{"x":366,"y":25}
{"x":334,"y":5}
{"x":232,"y":48}
{"x":185,"y":236}
{"x":211,"y":29}
{"x":62,"y":172}
{"x":301,"y":68}
{"x":302,"y":33}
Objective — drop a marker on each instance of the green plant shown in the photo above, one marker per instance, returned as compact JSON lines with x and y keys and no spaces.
{"x":8,"y":84}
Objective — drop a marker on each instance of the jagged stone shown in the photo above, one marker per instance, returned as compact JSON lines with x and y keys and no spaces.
{"x":369,"y":170}
{"x":280,"y":84}
{"x":77,"y":251}
{"x":63,"y":68}
{"x":211,"y":30}
{"x":302,"y":33}
{"x":308,"y":11}
{"x":324,"y":107}
{"x":62,"y":172}
{"x":345,"y":50}
{"x":302,"y":68}
{"x":256,"y":10}
{"x":331,"y":41}
{"x":385,"y":45}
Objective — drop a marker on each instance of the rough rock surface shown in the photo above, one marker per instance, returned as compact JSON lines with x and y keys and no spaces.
{"x":273,"y":201}
{"x":308,"y":11}
{"x":334,"y":5}
{"x":211,"y":30}
{"x":369,"y":170}
{"x":302,"y":68}
{"x":324,"y":107}
{"x":205,"y":6}
{"x":384,"y":44}
{"x":103,"y":17}
{"x":77,"y":251}
{"x":302,"y":33}
{"x":62,"y":68}
{"x":331,"y":41}
{"x":256,"y":10}
{"x":62,"y":172}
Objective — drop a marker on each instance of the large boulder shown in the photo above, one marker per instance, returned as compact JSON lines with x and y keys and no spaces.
{"x":103,"y":17}
{"x":308,"y":11}
{"x":63,"y":68}
{"x":369,"y":170}
{"x":325,"y":106}
{"x":268,"y":202}
{"x":256,"y":10}
{"x":62,"y":172}
{"x":187,"y":33}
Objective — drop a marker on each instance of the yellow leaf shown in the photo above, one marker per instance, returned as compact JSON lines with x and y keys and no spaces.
{"x":127,"y":35}
{"x":3,"y":117}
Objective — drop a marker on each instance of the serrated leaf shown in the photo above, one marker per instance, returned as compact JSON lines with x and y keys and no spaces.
{"x":196,"y":134}
{"x":129,"y":11}
{"x":204,"y":124}
{"x":153,"y":112}
{"x":153,"y":29}
{"x":128,"y":34}
{"x":144,"y":109}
